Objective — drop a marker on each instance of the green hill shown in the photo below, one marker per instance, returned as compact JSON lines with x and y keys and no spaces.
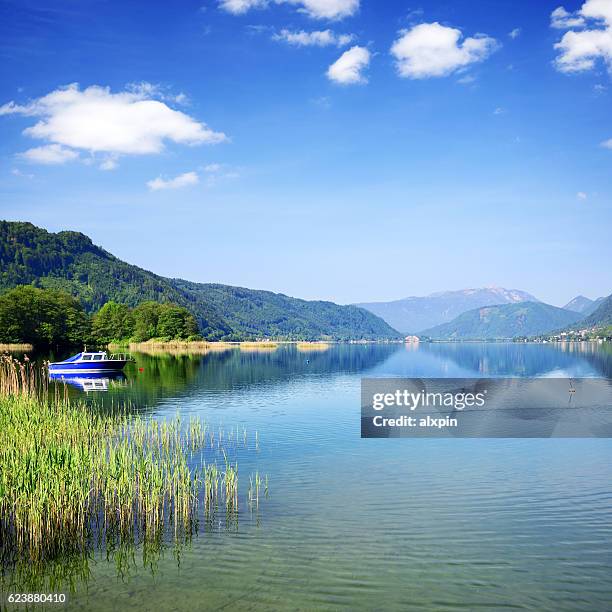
{"x":71,"y":262}
{"x":250,"y":311}
{"x":505,"y":321}
{"x":601,"y":317}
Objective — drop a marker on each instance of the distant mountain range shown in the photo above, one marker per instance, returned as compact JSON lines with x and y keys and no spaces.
{"x":71,"y":262}
{"x":584,"y":305}
{"x":415,"y":314}
{"x":504,"y":321}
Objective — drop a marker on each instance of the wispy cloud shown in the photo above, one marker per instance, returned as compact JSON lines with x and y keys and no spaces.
{"x":607,"y":144}
{"x":317,"y":38}
{"x":95,"y":120}
{"x":581,"y":195}
{"x":218,"y":173}
{"x":240,"y":7}
{"x":49,"y":154}
{"x":317,"y":9}
{"x":514,"y":34}
{"x":182,"y":180}
{"x":20,"y":174}
{"x":433,"y":50}
{"x":349,"y":68}
{"x":468,"y":79}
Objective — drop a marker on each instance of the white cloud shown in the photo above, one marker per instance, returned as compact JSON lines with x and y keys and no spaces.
{"x":239,"y":7}
{"x":49,"y":154}
{"x":318,"y":38}
{"x":514,"y":33}
{"x":563,"y":20}
{"x":468,"y":79}
{"x":131,"y":122}
{"x":182,"y":180}
{"x":433,"y":50}
{"x":317,"y":9}
{"x":499,"y":111}
{"x":212,"y":168}
{"x":580,"y":49}
{"x":325,"y":9}
{"x":581,"y":195}
{"x":348,"y":68}
{"x":607,"y":144}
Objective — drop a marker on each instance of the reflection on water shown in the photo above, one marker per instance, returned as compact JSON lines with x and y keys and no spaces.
{"x":92,"y":382}
{"x":370,"y":524}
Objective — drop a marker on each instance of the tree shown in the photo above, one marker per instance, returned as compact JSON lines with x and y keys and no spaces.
{"x":175,"y":322}
{"x":42,"y":317}
{"x":146,"y":316}
{"x":113,"y":322}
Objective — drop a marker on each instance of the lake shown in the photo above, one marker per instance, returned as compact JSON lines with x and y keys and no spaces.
{"x":423,"y":524}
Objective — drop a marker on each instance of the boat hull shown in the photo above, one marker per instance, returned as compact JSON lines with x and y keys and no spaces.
{"x":88,"y":367}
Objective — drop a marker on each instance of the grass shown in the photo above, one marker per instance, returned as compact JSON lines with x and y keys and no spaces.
{"x":68,"y":472}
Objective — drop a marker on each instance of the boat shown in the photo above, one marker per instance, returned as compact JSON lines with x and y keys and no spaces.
{"x":99,"y":362}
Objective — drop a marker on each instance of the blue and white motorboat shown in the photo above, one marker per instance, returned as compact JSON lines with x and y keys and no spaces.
{"x":90,"y":363}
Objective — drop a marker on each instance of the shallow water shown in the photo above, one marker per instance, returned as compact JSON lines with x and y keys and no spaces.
{"x":370,"y":524}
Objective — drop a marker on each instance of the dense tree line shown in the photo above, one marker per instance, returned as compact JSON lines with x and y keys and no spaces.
{"x":51,"y":318}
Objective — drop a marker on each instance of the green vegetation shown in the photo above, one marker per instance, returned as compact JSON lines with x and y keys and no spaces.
{"x":263,"y":314}
{"x":505,"y":321}
{"x":70,"y":262}
{"x":51,"y":318}
{"x":601,"y":317}
{"x":43,"y":318}
{"x":119,"y":323}
{"x":67,"y":473}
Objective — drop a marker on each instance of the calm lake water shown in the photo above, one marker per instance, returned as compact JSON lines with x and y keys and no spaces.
{"x":423,"y":524}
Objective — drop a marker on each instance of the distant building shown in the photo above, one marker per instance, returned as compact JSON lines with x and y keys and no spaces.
{"x":411,"y":340}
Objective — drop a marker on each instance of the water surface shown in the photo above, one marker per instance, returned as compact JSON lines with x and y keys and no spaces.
{"x":423,"y":524}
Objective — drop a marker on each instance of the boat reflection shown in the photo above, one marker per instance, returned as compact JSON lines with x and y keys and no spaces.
{"x":92,"y":382}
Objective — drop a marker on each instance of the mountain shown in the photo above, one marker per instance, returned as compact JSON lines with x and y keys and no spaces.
{"x":71,"y":262}
{"x":414,"y":314}
{"x":579,"y":304}
{"x":601,"y":317}
{"x":505,"y":321}
{"x":594,"y":306}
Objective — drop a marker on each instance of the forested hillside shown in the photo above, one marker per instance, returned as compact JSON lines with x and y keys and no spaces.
{"x":71,"y":262}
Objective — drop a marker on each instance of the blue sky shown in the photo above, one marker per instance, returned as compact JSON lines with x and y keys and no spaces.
{"x":349,"y":150}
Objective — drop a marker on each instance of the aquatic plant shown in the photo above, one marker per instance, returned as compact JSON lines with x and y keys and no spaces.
{"x":68,"y":472}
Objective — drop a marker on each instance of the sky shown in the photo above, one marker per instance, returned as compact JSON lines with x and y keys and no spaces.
{"x":348,"y":150}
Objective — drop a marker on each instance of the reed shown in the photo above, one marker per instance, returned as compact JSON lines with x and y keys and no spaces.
{"x":17,"y":348}
{"x":67,"y":472}
{"x":306,"y":347}
{"x":258,"y":346}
